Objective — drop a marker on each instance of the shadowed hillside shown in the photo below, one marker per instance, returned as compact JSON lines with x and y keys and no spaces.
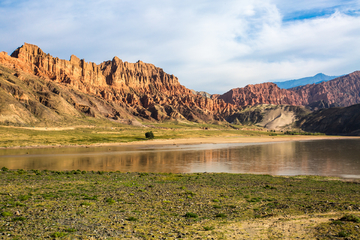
{"x":333,"y":121}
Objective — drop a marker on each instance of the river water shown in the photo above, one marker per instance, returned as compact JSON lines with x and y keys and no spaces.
{"x":320,"y":157}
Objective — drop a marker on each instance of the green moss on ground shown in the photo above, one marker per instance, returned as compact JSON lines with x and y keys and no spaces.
{"x":78,"y":204}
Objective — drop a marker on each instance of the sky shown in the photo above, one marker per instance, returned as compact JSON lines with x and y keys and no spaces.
{"x":209,"y":45}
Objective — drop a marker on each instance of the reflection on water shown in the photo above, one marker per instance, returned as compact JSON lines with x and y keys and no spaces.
{"x":322,"y":157}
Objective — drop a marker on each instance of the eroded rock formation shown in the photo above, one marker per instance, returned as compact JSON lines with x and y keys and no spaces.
{"x":343,"y":91}
{"x":265,"y":93}
{"x":142,"y":89}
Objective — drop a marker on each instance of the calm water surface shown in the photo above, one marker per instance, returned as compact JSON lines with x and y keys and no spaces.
{"x":321,"y":157}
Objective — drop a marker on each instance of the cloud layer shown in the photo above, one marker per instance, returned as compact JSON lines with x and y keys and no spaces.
{"x":210,"y":45}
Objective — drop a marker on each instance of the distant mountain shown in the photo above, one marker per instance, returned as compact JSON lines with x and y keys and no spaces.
{"x":318,"y":78}
{"x":343,"y":91}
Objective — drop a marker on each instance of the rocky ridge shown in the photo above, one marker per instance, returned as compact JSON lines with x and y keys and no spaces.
{"x":125,"y":89}
{"x":343,"y":91}
{"x":264,"y":93}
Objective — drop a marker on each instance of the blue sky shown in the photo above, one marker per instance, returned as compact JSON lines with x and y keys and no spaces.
{"x":209,"y":45}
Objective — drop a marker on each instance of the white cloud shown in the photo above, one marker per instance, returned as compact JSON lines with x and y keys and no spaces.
{"x":209,"y":45}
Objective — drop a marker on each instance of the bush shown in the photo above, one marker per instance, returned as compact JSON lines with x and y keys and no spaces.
{"x":110,"y":200}
{"x":58,"y":234}
{"x":350,"y":218}
{"x":343,"y":234}
{"x":190,"y":215}
{"x":6,"y":214}
{"x":208,"y":228}
{"x":132,"y":219}
{"x":149,"y":135}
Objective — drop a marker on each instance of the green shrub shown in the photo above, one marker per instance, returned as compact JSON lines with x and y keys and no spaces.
{"x":350,"y":218}
{"x":208,"y":228}
{"x":23,"y":197}
{"x":343,"y":234}
{"x":132,"y":219}
{"x":255,"y":199}
{"x":4,"y":169}
{"x":6,"y":214}
{"x":21,"y":171}
{"x":18,"y":219}
{"x":91,"y":198}
{"x":149,"y":135}
{"x":85,"y":204}
{"x":190,"y":215}
{"x":110,"y":200}
{"x":58,"y":235}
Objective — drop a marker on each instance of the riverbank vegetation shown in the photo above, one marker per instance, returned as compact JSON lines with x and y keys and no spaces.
{"x":112,"y":205}
{"x":12,"y":136}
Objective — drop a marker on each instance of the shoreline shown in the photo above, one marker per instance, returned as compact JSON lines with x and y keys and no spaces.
{"x":199,"y":140}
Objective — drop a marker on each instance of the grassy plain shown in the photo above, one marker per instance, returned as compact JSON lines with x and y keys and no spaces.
{"x":105,"y":132}
{"x":113,"y":205}
{"x":114,"y":133}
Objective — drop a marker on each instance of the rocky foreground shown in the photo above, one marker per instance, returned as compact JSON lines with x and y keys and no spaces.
{"x":113,"y":205}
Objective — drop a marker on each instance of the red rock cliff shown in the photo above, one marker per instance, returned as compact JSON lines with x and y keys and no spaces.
{"x":343,"y":91}
{"x":265,"y":93}
{"x":145,"y":90}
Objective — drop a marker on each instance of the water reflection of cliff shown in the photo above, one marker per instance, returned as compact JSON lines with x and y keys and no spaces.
{"x":290,"y":158}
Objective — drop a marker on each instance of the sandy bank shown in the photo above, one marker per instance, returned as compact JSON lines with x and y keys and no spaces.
{"x":215,"y":140}
{"x":237,"y":139}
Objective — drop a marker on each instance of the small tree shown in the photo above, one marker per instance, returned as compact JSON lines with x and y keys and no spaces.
{"x":149,"y":135}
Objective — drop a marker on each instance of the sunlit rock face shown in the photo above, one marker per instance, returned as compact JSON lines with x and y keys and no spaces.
{"x":142,"y":89}
{"x":343,"y":91}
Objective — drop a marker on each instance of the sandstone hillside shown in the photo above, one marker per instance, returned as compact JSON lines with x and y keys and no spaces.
{"x":343,"y":91}
{"x":264,"y":93}
{"x":47,"y":87}
{"x":274,"y":117}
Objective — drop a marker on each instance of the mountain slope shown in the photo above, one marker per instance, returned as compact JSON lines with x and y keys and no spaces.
{"x":114,"y":89}
{"x":264,"y":93}
{"x":274,"y":117}
{"x":343,"y":91}
{"x":318,"y":78}
{"x":333,"y":121}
